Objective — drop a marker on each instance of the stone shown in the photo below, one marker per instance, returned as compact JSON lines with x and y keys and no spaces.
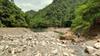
{"x":72,"y":55}
{"x":90,"y":49}
{"x":97,"y":45}
{"x":65,"y":54}
{"x":71,"y":50}
{"x":38,"y":54}
{"x":98,"y":40}
{"x":43,"y":43}
{"x":55,"y":51}
{"x":1,"y":47}
{"x":97,"y":53}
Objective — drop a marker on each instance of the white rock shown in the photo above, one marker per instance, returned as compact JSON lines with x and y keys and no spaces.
{"x":43,"y":43}
{"x":71,"y":50}
{"x":97,"y":53}
{"x":6,"y":46}
{"x":14,"y":55}
{"x":65,"y":54}
{"x":72,"y":55}
{"x":55,"y":51}
{"x":90,"y":49}
{"x":38,"y":54}
{"x":97,"y":45}
{"x":61,"y":44}
{"x":1,"y":47}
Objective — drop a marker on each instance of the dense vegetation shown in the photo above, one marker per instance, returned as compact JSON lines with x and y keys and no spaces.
{"x":58,"y":14}
{"x":11,"y":15}
{"x":61,"y":13}
{"x":85,"y":15}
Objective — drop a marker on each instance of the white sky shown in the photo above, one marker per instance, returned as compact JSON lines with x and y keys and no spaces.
{"x":26,"y":5}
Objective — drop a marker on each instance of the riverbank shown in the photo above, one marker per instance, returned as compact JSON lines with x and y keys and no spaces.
{"x":24,"y":42}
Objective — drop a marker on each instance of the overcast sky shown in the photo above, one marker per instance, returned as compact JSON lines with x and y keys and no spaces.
{"x":26,"y":5}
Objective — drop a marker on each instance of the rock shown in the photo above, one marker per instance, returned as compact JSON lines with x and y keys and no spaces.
{"x":98,"y":40}
{"x":97,"y":45}
{"x":43,"y":43}
{"x":71,"y":50}
{"x":55,"y":51}
{"x":72,"y":55}
{"x":75,"y":40}
{"x":65,"y":54}
{"x":90,"y":50}
{"x":97,"y":53}
{"x":67,"y":36}
{"x":1,"y":47}
{"x":14,"y":55}
{"x":38,"y":54}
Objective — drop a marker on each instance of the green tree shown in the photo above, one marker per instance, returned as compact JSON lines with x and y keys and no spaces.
{"x":11,"y":15}
{"x":58,"y":13}
{"x":85,"y":15}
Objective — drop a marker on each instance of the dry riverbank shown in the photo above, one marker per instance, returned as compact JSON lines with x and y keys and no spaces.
{"x":24,"y":42}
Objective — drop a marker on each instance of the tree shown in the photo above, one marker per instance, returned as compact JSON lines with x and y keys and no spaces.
{"x":11,"y":15}
{"x":85,"y":15}
{"x":58,"y":13}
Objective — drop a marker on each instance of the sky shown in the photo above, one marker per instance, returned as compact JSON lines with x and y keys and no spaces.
{"x":35,"y":5}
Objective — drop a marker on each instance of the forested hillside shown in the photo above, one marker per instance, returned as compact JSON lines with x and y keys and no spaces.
{"x":58,"y":14}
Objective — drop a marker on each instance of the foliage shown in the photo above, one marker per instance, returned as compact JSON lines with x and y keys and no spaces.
{"x":85,"y":15}
{"x":57,"y":14}
{"x":11,"y":15}
{"x":29,"y":17}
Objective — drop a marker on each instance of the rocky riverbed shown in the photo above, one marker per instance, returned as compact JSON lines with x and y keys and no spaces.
{"x":24,"y":42}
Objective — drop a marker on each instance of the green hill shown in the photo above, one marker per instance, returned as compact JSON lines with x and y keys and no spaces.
{"x":58,"y":14}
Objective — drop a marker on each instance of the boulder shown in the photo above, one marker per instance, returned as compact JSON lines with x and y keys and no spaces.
{"x":97,"y":53}
{"x":90,"y":49}
{"x":97,"y":45}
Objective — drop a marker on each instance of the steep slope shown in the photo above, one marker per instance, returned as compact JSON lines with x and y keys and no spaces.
{"x":57,"y":13}
{"x":11,"y":15}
